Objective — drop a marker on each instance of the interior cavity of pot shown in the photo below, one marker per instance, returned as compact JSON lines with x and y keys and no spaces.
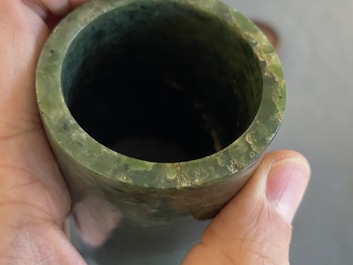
{"x":161,"y":82}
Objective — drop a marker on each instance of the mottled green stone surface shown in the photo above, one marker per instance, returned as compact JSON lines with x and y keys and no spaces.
{"x":235,"y":76}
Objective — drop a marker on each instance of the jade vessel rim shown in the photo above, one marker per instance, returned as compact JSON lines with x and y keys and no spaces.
{"x":65,"y":133}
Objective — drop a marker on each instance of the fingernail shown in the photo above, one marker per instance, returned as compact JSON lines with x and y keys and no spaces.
{"x":286,"y":184}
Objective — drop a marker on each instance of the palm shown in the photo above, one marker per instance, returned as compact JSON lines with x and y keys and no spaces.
{"x":34,"y":199}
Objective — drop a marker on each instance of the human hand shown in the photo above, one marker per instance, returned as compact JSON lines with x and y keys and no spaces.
{"x":255,"y":227}
{"x":34,"y":200}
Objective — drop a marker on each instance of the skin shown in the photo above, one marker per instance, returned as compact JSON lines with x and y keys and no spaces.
{"x":254,"y":228}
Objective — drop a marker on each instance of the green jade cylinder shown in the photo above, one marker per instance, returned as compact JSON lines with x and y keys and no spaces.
{"x":158,"y":112}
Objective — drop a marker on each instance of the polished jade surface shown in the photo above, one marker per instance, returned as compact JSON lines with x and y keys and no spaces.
{"x":158,"y":112}
{"x":194,"y":77}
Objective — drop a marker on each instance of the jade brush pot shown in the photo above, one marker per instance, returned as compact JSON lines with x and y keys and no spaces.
{"x":158,"y":112}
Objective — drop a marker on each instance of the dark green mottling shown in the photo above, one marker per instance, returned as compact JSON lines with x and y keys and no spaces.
{"x":148,"y":191}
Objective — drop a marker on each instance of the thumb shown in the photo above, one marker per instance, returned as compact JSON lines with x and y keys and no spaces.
{"x":255,"y":227}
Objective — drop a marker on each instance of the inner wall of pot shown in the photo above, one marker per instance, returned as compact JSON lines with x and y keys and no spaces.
{"x":161,"y":82}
